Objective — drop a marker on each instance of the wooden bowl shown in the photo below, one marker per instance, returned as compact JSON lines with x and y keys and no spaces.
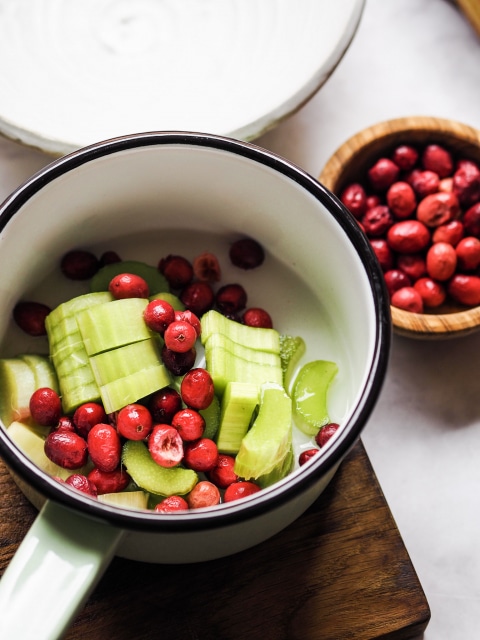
{"x":350,"y":163}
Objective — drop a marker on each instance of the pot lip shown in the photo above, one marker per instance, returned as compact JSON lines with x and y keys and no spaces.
{"x":273,"y":497}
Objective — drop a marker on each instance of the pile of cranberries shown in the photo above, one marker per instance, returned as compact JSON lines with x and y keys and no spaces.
{"x":420,"y":209}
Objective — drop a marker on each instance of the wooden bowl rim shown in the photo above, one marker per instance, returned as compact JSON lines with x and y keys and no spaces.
{"x":406,"y":323}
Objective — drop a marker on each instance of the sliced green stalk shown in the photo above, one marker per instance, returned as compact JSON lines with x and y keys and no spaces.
{"x":123,"y":391}
{"x":219,"y":341}
{"x":292,"y":348}
{"x":310,"y":390}
{"x":125,"y":499}
{"x":211,"y":415}
{"x":238,"y":405}
{"x":43,"y":370}
{"x":17,"y":384}
{"x":253,"y":337}
{"x":124,"y":361}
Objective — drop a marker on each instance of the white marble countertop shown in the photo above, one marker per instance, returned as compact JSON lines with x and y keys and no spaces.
{"x":409,"y":57}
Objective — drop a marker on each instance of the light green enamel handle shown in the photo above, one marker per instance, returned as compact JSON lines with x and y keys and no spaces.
{"x":54,"y":570}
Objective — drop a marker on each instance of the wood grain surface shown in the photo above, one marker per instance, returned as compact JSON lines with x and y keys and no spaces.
{"x":339,"y":572}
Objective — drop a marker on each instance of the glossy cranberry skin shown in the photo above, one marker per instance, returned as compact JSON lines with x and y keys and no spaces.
{"x":355,"y":199}
{"x":45,"y":407}
{"x":471,"y":220}
{"x":441,"y":261}
{"x":438,"y":159}
{"x":405,"y":156}
{"x":191,"y":318}
{"x":413,"y":264}
{"x":239,"y":490}
{"x":207,"y":268}
{"x":465,"y":289}
{"x":87,"y":416}
{"x":222,"y":475}
{"x":466,"y":183}
{"x":231,"y":298}
{"x":79,"y":265}
{"x":383,"y":174}
{"x":408,"y":299}
{"x":326,"y":432}
{"x":204,"y":494}
{"x":134,"y":422}
{"x":66,"y":423}
{"x":408,"y":236}
{"x":401,"y":200}
{"x":81,"y":483}
{"x":438,"y":208}
{"x":383,"y":252}
{"x":67,"y":449}
{"x":198,"y":297}
{"x":104,"y":447}
{"x":468,"y":253}
{"x":189,"y":423}
{"x":109,"y":257}
{"x":165,"y":446}
{"x":109,"y":482}
{"x":451,"y":232}
{"x":306,"y":455}
{"x":128,"y":285}
{"x":377,"y":221}
{"x":246,"y":254}
{"x":158,"y":315}
{"x":178,"y":363}
{"x":177,"y":270}
{"x":201,"y":455}
{"x":180,"y":336}
{"x":396,"y":279}
{"x":172,"y":504}
{"x":256,"y":317}
{"x":30,"y":317}
{"x":423,"y":182}
{"x":196,"y":389}
{"x":433,"y":293}
{"x":164,"y":404}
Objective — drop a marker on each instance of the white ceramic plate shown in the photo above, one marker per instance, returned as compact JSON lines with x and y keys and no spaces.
{"x":74,"y":73}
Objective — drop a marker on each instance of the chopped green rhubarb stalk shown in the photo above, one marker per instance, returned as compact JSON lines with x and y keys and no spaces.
{"x":67,"y":310}
{"x":155,"y":280}
{"x":310,"y":393}
{"x":122,"y":391}
{"x":238,"y":405}
{"x":17,"y":384}
{"x":211,"y":415}
{"x":280,"y":471}
{"x":219,"y":341}
{"x":43,"y":370}
{"x":151,"y":477}
{"x":225,"y":367}
{"x":125,"y":499}
{"x":253,"y":337}
{"x":171,"y":298}
{"x":113,"y":324}
{"x":292,"y":348}
{"x":269,"y":439}
{"x":124,"y":361}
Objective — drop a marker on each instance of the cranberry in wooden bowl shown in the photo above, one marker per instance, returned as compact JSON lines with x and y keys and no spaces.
{"x":413,"y":185}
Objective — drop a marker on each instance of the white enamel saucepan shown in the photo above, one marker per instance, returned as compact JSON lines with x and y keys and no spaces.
{"x":146,"y":196}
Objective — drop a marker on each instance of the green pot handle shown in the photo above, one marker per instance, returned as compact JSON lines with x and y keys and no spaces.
{"x":53,"y":572}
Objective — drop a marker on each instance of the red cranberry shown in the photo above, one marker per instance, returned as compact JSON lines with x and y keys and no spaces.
{"x":451,"y":232}
{"x":433,"y":293}
{"x":468,"y":253}
{"x":66,"y":423}
{"x":223,"y":474}
{"x":383,"y":252}
{"x":191,"y":318}
{"x":45,"y":407}
{"x":408,"y":236}
{"x":408,"y":299}
{"x":466,"y":183}
{"x":158,"y":315}
{"x":87,"y":416}
{"x":189,"y":423}
{"x":164,"y":404}
{"x":438,"y":159}
{"x":396,"y":279}
{"x":306,"y":455}
{"x":201,"y":455}
{"x":239,"y":490}
{"x":382,"y":174}
{"x":377,"y":221}
{"x":177,"y":270}
{"x":134,"y":421}
{"x":30,"y":317}
{"x":81,"y":483}
{"x":109,"y":482}
{"x":401,"y":200}
{"x":67,"y":449}
{"x":355,"y":199}
{"x":231,"y":298}
{"x":438,"y":208}
{"x":207,"y":268}
{"x":423,"y":182}
{"x":471,"y":220}
{"x":198,"y":297}
{"x":165,"y":445}
{"x":197,"y":389}
{"x":180,"y":336}
{"x":171,"y":504}
{"x":405,"y":157}
{"x":204,"y":494}
{"x":79,"y":265}
{"x":326,"y":432}
{"x":246,"y":254}
{"x":441,"y":261}
{"x":128,"y":285}
{"x":465,"y":289}
{"x":256,"y":317}
{"x":109,"y":257}
{"x":178,"y":363}
{"x":413,"y":264}
{"x":104,"y":447}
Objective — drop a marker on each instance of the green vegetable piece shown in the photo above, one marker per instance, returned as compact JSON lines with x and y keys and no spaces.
{"x":280,"y":471}
{"x":253,"y":337}
{"x":125,"y":499}
{"x":270,"y":438}
{"x":73,"y":398}
{"x":151,"y":477}
{"x":43,"y":370}
{"x":131,"y":388}
{"x":211,"y":415}
{"x":219,"y":341}
{"x":113,"y":324}
{"x":124,"y":361}
{"x":309,"y":395}
{"x":155,"y":280}
{"x":17,"y":383}
{"x":292,"y":348}
{"x":66,"y":311}
{"x":238,"y":405}
{"x":171,"y":298}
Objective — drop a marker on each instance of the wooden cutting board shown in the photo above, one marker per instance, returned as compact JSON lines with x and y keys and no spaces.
{"x":339,"y":572}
